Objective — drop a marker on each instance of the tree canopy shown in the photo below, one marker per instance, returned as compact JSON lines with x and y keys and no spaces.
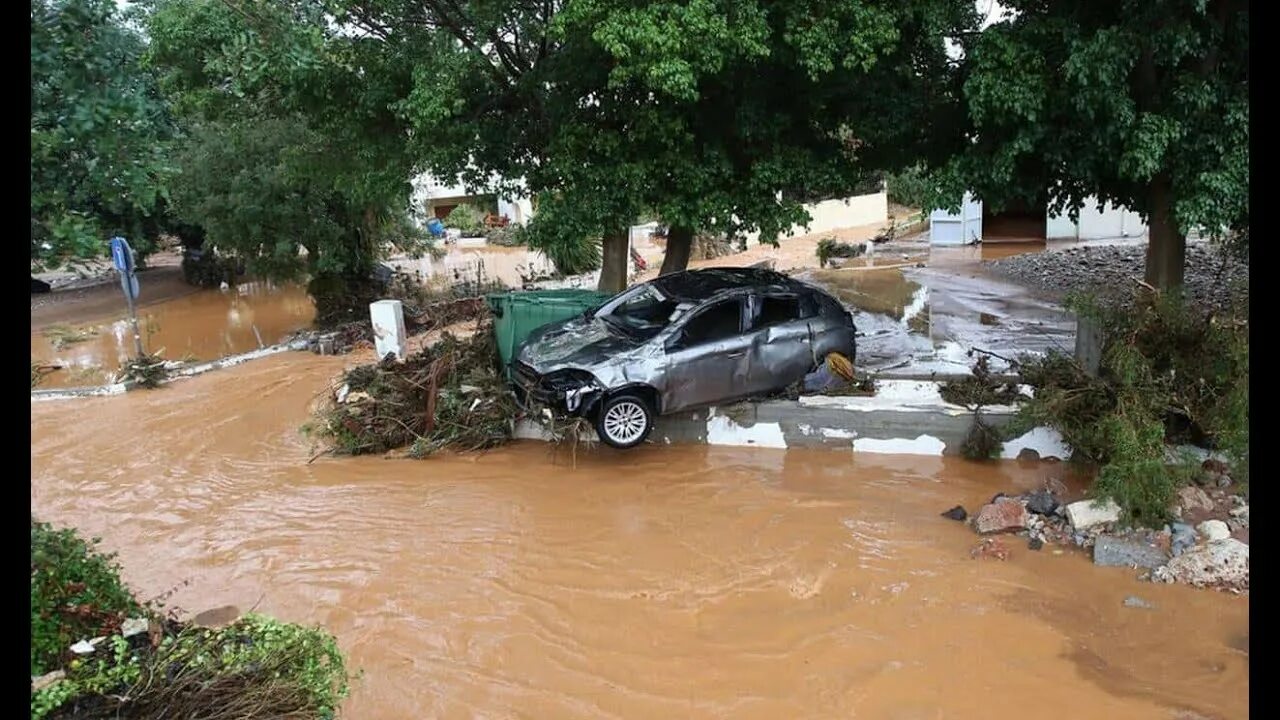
{"x":99,"y":132}
{"x":722,"y":115}
{"x":1141,"y":103}
{"x":294,"y":142}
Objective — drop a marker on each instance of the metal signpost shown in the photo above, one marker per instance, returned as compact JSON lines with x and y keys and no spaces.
{"x":122,"y":256}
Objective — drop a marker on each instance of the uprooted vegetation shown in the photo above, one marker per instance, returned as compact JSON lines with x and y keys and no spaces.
{"x":451,"y":394}
{"x":981,"y":389}
{"x":255,"y":667}
{"x":1169,"y":374}
{"x":830,"y":248}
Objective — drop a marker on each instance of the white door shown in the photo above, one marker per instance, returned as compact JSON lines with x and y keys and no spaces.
{"x":962,"y":228}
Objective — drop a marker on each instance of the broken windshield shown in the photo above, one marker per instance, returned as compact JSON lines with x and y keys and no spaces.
{"x":644,"y":314}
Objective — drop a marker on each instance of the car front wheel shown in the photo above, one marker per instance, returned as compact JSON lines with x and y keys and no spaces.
{"x":624,"y":421}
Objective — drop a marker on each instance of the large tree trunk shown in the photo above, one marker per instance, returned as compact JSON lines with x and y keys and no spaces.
{"x":679,"y":248}
{"x":1166,"y":245}
{"x":613,"y":263}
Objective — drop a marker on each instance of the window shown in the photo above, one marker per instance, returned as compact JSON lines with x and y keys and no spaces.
{"x":717,"y":322}
{"x":777,"y":309}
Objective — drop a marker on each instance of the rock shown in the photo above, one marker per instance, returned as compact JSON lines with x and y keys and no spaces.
{"x":1221,"y":562}
{"x":44,"y":681}
{"x":1041,"y":502}
{"x":1224,"y":481}
{"x":84,"y":647}
{"x":1003,"y":515}
{"x":1090,"y":513}
{"x":1110,"y":551}
{"x":1241,"y":511}
{"x":1193,"y":498}
{"x":217,"y":617}
{"x":956,"y":513}
{"x":341,"y":395}
{"x":134,"y":626}
{"x":990,"y":548}
{"x":1214,"y":530}
{"x":1133,"y":601}
{"x":1035,"y":544}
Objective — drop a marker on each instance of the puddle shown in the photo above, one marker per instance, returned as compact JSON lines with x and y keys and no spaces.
{"x":921,"y":320}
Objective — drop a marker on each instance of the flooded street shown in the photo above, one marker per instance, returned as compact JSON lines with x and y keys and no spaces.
{"x":665,"y":582}
{"x":200,"y":325}
{"x":920,"y":318}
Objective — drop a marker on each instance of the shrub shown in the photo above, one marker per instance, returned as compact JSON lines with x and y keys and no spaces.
{"x":255,"y":668}
{"x":1170,"y":373}
{"x":466,"y":218}
{"x":509,"y":236}
{"x":76,"y":593}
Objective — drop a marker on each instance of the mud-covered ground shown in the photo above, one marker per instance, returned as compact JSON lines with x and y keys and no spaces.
{"x":1212,"y":277}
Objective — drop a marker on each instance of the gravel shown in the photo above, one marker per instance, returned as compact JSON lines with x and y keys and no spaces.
{"x":1211,"y":278}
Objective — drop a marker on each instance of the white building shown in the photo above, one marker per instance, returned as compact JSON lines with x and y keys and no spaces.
{"x":435,"y":198}
{"x":974,"y":224}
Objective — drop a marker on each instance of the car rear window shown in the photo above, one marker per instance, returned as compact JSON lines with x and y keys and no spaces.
{"x":717,"y":322}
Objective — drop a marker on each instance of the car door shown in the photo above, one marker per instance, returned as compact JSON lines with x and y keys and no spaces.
{"x":781,"y":340}
{"x":706,"y":358}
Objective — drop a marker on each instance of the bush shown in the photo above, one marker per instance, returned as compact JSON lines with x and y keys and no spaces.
{"x":910,"y":187}
{"x":831,"y":248}
{"x":509,"y":236}
{"x":1170,"y":373}
{"x":76,"y":593}
{"x":466,"y":218}
{"x":256,"y":668}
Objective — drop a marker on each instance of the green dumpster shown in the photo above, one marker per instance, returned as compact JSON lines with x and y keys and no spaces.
{"x":518,"y":313}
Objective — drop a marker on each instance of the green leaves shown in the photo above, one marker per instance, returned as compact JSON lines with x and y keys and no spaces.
{"x":99,"y":132}
{"x":1075,"y":99}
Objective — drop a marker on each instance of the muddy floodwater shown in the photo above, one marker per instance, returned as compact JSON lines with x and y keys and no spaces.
{"x":201,"y":325}
{"x":658,"y":583}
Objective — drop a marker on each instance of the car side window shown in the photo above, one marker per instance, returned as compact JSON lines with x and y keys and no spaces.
{"x":717,"y":322}
{"x":777,"y":309}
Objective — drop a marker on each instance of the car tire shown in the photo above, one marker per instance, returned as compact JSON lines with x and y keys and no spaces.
{"x":624,"y":420}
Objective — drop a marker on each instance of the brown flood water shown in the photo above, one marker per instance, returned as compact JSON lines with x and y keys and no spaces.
{"x":665,"y":582}
{"x":202,"y":325}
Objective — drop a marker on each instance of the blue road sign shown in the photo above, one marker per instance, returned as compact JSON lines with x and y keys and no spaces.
{"x":122,"y":255}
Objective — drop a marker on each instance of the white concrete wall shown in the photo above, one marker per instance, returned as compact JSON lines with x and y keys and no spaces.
{"x":840,"y":213}
{"x":1111,"y":222}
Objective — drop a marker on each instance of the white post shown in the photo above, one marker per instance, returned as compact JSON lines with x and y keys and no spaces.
{"x":388,"y":328}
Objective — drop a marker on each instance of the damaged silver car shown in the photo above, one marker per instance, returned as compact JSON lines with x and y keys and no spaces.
{"x":689,"y":339}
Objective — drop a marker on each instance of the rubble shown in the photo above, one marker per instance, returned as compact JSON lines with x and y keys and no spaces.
{"x":1132,"y":552}
{"x":990,"y":549}
{"x":1086,"y":514}
{"x":1003,"y":515}
{"x":1219,"y":563}
{"x":956,"y":513}
{"x":1213,"y":530}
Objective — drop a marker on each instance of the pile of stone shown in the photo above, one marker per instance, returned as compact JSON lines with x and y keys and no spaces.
{"x":1206,"y":547}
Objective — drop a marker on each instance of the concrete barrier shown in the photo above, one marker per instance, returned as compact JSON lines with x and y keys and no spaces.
{"x":904,"y":417}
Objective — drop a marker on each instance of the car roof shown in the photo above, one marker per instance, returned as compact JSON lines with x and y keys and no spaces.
{"x":701,"y":285}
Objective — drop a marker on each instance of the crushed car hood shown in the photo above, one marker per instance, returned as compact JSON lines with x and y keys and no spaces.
{"x":580,"y":341}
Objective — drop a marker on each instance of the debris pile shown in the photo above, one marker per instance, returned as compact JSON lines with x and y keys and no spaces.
{"x":830,"y":248}
{"x":1207,"y":547}
{"x":449,"y":395}
{"x":419,"y":318}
